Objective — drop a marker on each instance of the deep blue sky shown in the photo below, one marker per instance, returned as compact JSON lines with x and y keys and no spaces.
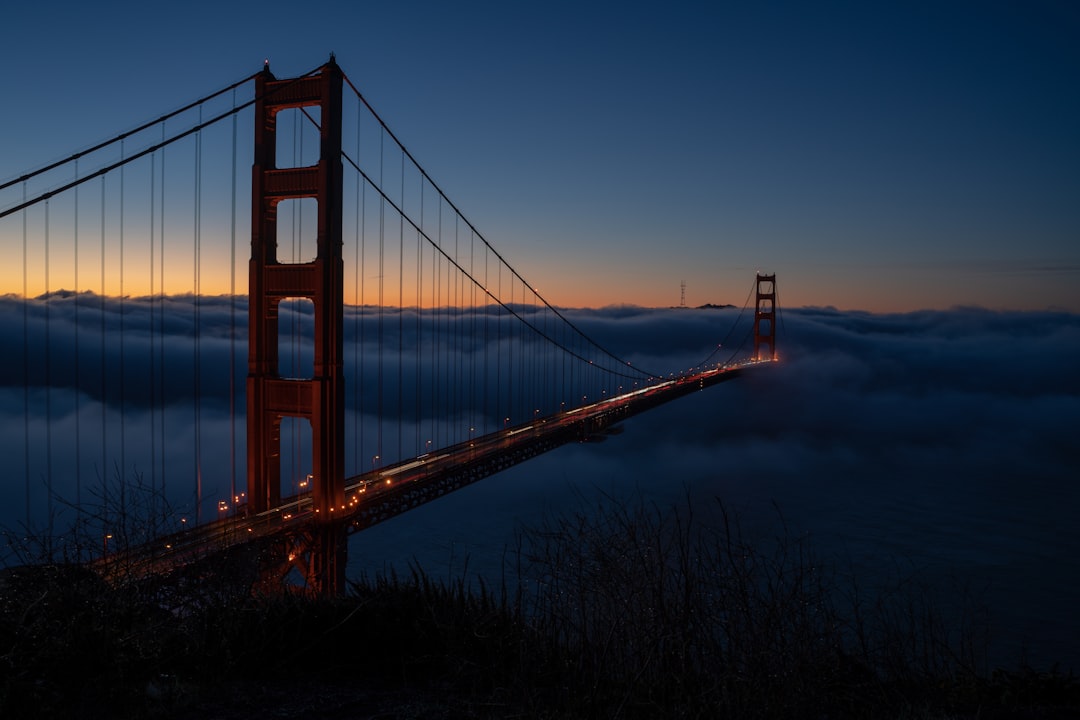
{"x":876,"y":156}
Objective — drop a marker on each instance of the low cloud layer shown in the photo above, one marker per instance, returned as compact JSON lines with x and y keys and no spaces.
{"x":940,"y":443}
{"x":939,"y":446}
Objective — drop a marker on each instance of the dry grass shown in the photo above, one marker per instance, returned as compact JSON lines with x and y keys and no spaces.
{"x":619,"y":612}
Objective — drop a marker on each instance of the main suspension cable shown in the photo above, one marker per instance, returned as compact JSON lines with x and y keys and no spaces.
{"x":143,"y":153}
{"x":746,"y":304}
{"x":454,"y":207}
{"x":127,"y":134}
{"x":498,"y":300}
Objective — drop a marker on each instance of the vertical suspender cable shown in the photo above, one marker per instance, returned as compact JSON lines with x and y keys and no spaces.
{"x":487,"y":347}
{"x":78,"y":379}
{"x":123,"y":380}
{"x":535,"y":360}
{"x":553,"y":360}
{"x":26,"y":365}
{"x":401,"y":315}
{"x":232,"y":315}
{"x":197,"y":242}
{"x":498,"y":353}
{"x":472,"y":331}
{"x":419,"y":312}
{"x":445,"y":340}
{"x":511,"y":331}
{"x":540,"y":365}
{"x":549,"y":367}
{"x":361,"y":315}
{"x":104,"y":388}
{"x":379,"y":386}
{"x":521,"y":376}
{"x":153,"y":337}
{"x":48,"y":382}
{"x":458,"y":299}
{"x":433,"y":341}
{"x":518,"y":376}
{"x":531,"y":359}
{"x":161,"y":316}
{"x":436,"y":346}
{"x":473,"y":399}
{"x":358,"y":307}
{"x":564,"y":357}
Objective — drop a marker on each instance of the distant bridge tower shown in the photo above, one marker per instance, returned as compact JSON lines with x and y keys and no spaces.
{"x":765,"y":317}
{"x":320,"y":399}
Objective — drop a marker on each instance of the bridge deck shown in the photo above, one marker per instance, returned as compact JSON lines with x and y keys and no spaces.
{"x":381,"y":494}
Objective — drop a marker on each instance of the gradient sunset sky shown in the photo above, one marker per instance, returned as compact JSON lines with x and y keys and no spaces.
{"x":876,"y":156}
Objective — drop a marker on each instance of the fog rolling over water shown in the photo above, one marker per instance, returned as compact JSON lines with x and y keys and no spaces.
{"x":939,"y":445}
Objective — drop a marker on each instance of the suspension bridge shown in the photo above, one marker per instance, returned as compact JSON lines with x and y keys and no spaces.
{"x":393,"y":354}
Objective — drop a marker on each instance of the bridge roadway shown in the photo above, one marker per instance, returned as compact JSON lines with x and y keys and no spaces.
{"x":380,"y":494}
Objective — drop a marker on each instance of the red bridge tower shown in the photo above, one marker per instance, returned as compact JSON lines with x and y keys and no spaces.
{"x":319,"y":399}
{"x":765,"y":317}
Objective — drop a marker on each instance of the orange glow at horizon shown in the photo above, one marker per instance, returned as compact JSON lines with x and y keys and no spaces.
{"x":144,"y":272}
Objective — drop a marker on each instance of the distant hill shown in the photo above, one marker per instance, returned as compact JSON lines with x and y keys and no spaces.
{"x":706,"y":306}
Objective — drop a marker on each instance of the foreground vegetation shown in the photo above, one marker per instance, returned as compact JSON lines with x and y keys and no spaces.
{"x":625,"y":612}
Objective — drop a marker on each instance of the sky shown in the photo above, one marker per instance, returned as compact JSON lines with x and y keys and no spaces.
{"x":885,"y":157}
{"x":910,"y":171}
